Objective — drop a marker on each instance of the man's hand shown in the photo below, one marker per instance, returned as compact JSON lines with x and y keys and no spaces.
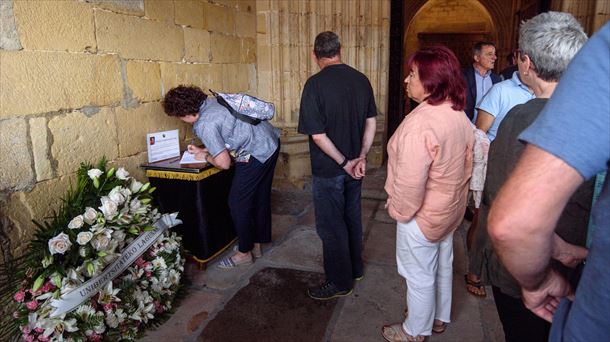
{"x":568,"y":254}
{"x":360,"y":167}
{"x":543,"y":301}
{"x":349,"y":168}
{"x":356,"y":168}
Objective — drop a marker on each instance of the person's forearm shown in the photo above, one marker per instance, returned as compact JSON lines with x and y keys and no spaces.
{"x":221,"y":161}
{"x":524,"y":214}
{"x":526,"y":256}
{"x":484,"y":120}
{"x":370,"y":126}
{"x":327,"y":146}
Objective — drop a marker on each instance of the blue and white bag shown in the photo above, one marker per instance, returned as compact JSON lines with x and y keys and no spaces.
{"x":245,"y":107}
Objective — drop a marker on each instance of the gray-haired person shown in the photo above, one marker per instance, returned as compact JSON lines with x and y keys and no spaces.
{"x":547,"y":43}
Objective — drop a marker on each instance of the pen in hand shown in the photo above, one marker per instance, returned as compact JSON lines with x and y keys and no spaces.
{"x":191,"y":144}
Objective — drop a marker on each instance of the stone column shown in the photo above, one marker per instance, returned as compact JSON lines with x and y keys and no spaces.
{"x":285,"y":34}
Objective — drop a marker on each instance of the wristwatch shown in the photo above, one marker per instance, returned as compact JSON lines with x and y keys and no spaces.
{"x":342,"y":165}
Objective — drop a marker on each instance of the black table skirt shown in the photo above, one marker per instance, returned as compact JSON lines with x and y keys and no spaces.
{"x":203,"y":207}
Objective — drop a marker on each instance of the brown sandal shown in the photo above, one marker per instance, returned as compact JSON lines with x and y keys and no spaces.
{"x":475,"y":287}
{"x":395,"y":333}
{"x":438,"y":326}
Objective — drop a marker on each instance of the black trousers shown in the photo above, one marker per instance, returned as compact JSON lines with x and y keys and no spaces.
{"x":339,"y":224}
{"x":250,"y":201}
{"x":519,"y":323}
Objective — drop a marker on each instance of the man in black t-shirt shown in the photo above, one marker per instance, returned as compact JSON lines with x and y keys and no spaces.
{"x":338,"y":113}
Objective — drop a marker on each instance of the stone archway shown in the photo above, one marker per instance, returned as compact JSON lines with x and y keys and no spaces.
{"x":503,"y":18}
{"x":501,"y":13}
{"x":457,"y":25}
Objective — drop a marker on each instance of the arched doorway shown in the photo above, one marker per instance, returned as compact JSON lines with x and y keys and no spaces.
{"x":445,"y":21}
{"x":457,"y":26}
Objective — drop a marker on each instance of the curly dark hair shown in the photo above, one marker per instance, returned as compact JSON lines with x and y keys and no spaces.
{"x":183,"y":100}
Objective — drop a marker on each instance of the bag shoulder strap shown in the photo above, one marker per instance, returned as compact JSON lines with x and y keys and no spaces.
{"x":236,"y":114}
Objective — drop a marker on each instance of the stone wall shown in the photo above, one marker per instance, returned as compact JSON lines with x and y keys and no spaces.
{"x":285,"y":34}
{"x":83,"y":79}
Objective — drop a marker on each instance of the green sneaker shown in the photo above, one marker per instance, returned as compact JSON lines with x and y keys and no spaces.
{"x":327,"y":291}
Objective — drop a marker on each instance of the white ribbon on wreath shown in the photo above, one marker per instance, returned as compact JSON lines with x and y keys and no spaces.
{"x":129,"y":255}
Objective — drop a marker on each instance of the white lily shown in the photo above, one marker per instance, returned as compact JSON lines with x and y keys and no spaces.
{"x":108,"y":294}
{"x":57,"y":326}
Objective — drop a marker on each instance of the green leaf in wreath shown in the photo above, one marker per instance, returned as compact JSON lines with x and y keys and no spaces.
{"x":57,"y":280}
{"x":145,"y":187}
{"x":151,"y":190}
{"x":38,"y":283}
{"x":145,"y":200}
{"x":101,"y":254}
{"x":149,"y":228}
{"x":133,"y":230}
{"x":110,"y":173}
{"x":47,"y":261}
{"x":90,"y":268}
{"x":96,"y":183}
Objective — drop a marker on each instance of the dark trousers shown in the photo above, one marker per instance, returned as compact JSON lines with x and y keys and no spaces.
{"x":339,"y":225}
{"x":250,"y":201}
{"x":519,"y":323}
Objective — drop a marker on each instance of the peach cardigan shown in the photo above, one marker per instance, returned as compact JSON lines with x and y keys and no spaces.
{"x":429,"y":167}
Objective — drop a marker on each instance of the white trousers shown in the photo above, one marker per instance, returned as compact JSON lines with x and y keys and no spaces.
{"x":427,"y":267}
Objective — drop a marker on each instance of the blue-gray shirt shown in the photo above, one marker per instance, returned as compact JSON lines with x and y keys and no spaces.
{"x":501,"y":98}
{"x":219,"y":130}
{"x":575,"y":127}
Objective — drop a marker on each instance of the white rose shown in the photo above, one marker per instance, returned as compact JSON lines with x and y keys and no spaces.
{"x":118,"y":235}
{"x":100,"y":242}
{"x":83,"y":238}
{"x":116,"y":196}
{"x":59,"y":244}
{"x":76,"y":222}
{"x":90,"y":215}
{"x":122,"y":174}
{"x":135,"y":186}
{"x":94,"y":173}
{"x":109,"y":207}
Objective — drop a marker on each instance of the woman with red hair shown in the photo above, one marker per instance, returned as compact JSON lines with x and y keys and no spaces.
{"x":429,"y":167}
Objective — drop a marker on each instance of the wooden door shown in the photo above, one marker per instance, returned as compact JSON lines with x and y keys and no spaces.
{"x":459,"y":42}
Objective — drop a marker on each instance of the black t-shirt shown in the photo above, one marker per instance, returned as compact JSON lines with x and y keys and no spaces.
{"x":336,"y":101}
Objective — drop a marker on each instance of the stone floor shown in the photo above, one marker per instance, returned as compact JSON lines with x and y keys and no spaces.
{"x":377,"y":300}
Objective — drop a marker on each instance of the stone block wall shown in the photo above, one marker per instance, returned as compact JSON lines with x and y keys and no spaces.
{"x":285,"y":35}
{"x":84,"y":79}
